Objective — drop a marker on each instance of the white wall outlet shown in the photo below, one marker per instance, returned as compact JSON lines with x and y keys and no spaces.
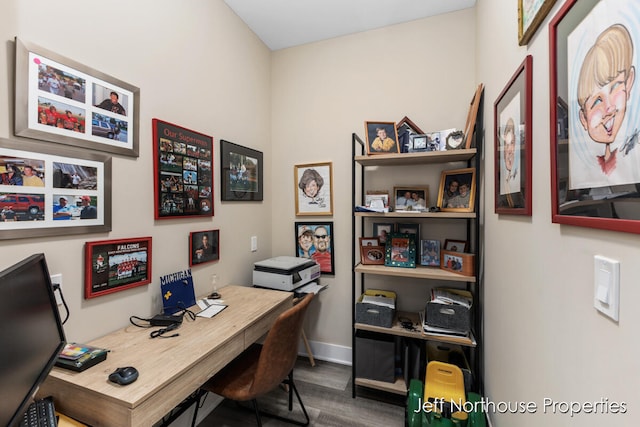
{"x":56,"y":279}
{"x":254,"y":243}
{"x":606,"y":275}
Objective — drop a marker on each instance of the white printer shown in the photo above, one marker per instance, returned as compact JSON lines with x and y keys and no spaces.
{"x":285,"y":273}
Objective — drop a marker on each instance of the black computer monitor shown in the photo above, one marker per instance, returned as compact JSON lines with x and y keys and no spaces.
{"x":31,"y":334}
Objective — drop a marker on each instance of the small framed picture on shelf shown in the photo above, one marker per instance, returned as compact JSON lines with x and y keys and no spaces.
{"x":400,"y":251}
{"x":369,"y":241}
{"x":382,"y":230}
{"x":457,"y":262}
{"x":376,"y":199}
{"x":457,"y":190}
{"x":430,"y":253}
{"x":411,"y":198}
{"x":455,"y":245}
{"x":382,"y":138}
{"x":372,"y":255}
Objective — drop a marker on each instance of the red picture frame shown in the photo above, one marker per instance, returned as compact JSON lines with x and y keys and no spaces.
{"x":512,"y":142}
{"x":183,"y":172}
{"x":574,"y":200}
{"x":115,"y":265}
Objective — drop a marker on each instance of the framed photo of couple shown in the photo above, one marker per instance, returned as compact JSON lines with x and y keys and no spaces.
{"x":457,"y":192}
{"x":512,"y":136}
{"x":370,"y":251}
{"x":62,"y":101}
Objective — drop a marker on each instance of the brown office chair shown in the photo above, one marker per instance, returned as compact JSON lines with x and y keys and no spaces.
{"x":260,"y":369}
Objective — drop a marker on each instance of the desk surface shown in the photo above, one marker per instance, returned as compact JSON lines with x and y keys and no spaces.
{"x":169,"y":368}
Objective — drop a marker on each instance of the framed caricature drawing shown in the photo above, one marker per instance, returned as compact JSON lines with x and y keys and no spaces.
{"x":512,"y":136}
{"x":314,"y":189}
{"x":595,"y":153}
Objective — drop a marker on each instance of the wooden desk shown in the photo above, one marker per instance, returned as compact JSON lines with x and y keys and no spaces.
{"x":170,"y":369}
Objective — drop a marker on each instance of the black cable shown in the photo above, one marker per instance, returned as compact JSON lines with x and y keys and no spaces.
{"x":56,"y":287}
{"x":160,"y":332}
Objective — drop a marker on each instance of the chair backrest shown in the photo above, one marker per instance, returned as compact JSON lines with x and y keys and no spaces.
{"x":280,"y":348}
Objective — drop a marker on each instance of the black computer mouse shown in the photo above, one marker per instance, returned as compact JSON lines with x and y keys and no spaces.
{"x":124,"y":376}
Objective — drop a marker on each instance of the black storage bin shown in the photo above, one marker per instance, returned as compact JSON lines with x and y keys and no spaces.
{"x":375,"y":356}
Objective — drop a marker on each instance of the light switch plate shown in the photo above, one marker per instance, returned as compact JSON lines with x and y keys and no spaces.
{"x":606,"y":282}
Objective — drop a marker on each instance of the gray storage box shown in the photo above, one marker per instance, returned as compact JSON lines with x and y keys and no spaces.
{"x":454,"y":317}
{"x":375,"y":356}
{"x":372,"y":314}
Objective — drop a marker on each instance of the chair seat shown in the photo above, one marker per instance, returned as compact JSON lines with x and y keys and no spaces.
{"x":235,"y":380}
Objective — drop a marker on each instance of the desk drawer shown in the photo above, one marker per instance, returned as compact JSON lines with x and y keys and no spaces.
{"x":262,"y":326}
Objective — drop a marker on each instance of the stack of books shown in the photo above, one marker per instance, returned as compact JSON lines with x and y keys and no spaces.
{"x":78,"y":357}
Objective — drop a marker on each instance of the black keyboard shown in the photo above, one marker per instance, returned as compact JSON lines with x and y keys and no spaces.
{"x":40,"y":413}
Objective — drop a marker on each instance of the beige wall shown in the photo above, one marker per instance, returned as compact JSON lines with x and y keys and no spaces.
{"x":544,"y":339}
{"x":325,"y":91}
{"x":197,"y":65}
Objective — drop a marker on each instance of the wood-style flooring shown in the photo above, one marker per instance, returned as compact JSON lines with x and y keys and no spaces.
{"x":326,"y":393}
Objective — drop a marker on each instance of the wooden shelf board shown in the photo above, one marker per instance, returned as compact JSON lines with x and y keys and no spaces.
{"x":397,"y":387}
{"x":420,"y":272}
{"x":427,"y":157}
{"x":441,"y":215}
{"x":397,"y":329}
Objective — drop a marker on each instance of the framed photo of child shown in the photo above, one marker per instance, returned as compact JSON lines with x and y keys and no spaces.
{"x":382,"y":138}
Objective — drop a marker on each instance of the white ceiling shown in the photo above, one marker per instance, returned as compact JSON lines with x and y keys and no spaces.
{"x":286,"y":23}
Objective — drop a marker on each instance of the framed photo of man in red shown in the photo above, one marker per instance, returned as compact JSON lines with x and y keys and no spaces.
{"x":314,"y":241}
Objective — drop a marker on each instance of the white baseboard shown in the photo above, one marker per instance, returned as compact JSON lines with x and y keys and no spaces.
{"x":328,"y":352}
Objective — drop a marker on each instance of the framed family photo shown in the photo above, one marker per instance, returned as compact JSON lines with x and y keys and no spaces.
{"x":204,"y":247}
{"x":594,"y":158}
{"x":430,"y":253}
{"x":115,"y":265}
{"x":400,"y":251}
{"x":382,"y":230}
{"x":376,"y":199}
{"x":314,"y":188}
{"x":406,"y":130}
{"x":453,"y":245}
{"x":457,"y":190}
{"x":531,"y":13}
{"x":183,"y":171}
{"x":60,"y":100}
{"x":411,"y":198}
{"x":47,"y":192}
{"x":372,"y":255}
{"x":457,"y":262}
{"x":241,"y":171}
{"x":314,"y":240}
{"x":512,"y":142}
{"x":382,"y":138}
